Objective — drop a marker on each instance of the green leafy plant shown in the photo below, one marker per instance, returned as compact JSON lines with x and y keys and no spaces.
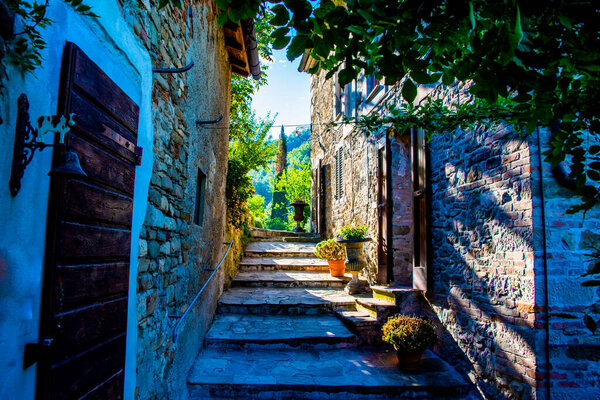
{"x":536,"y":65}
{"x":23,"y":49}
{"x":409,"y":334}
{"x":353,"y":232}
{"x":330,"y":250}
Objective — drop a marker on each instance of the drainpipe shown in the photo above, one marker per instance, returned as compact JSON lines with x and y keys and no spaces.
{"x":252,"y":48}
{"x":546,"y":297}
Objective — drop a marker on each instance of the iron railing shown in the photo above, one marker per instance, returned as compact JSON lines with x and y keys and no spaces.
{"x":187,"y":310}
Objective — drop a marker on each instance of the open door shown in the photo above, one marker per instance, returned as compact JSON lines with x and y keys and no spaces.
{"x":81,"y":353}
{"x":421,"y":211}
{"x":385,"y":255}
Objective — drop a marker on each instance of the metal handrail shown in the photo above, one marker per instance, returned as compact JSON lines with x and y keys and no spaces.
{"x":187,"y":310}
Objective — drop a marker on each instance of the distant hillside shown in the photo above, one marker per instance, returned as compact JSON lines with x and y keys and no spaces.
{"x":298,"y":149}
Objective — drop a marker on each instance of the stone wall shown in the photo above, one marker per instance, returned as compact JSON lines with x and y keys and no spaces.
{"x":358,"y":203}
{"x":173,"y":249}
{"x":482,"y":267}
{"x":574,"y":349}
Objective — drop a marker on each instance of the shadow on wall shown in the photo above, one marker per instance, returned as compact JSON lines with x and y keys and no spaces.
{"x":482,"y":263}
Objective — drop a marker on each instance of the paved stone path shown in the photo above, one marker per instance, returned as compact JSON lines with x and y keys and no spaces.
{"x":287,"y":330}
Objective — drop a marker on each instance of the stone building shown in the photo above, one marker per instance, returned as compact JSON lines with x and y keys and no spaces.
{"x":94,"y":268}
{"x":475,"y":221}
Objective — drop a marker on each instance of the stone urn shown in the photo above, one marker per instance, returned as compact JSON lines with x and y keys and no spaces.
{"x":299,"y":214}
{"x":355,"y":262}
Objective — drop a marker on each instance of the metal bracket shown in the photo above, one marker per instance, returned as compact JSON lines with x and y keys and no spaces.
{"x":185,"y":68}
{"x":26,"y":139}
{"x":214,"y":121}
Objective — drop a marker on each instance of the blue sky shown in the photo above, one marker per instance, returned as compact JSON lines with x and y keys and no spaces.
{"x":287,"y":94}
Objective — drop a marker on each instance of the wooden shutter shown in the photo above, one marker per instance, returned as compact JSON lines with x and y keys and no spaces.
{"x":86,"y":271}
{"x":421,"y":210}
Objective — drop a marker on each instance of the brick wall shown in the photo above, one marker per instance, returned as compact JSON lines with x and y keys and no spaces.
{"x":173,"y":249}
{"x":482,"y":268}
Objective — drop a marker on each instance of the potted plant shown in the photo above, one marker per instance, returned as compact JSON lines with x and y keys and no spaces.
{"x":410,"y":336}
{"x":299,"y":205}
{"x":353,"y":238}
{"x":333,"y":252}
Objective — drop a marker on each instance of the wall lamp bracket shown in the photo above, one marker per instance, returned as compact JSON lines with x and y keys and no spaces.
{"x":185,"y":68}
{"x":26,"y":143}
{"x":214,"y":121}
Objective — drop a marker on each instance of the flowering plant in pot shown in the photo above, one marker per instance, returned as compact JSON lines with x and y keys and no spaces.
{"x":353,"y":238}
{"x":410,"y":336}
{"x":333,"y":252}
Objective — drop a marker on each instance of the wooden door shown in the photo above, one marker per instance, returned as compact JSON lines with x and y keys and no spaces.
{"x":385,"y":256}
{"x":321,"y":197}
{"x":420,"y":210}
{"x":86,"y":272}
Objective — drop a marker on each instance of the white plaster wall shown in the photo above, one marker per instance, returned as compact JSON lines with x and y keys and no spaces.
{"x":110,"y":43}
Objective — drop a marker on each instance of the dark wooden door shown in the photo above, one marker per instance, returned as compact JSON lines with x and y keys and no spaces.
{"x":385,"y":256}
{"x":321,"y":197}
{"x":420,"y":210}
{"x":86,"y":272}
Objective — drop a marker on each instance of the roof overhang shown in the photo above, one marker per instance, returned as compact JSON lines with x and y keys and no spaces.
{"x":307,"y":62}
{"x":240,"y":42}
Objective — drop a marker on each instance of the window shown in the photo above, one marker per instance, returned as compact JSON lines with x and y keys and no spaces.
{"x":339,"y":167}
{"x":372,"y":87}
{"x":200,"y":193}
{"x":337,"y":98}
{"x":346,"y":99}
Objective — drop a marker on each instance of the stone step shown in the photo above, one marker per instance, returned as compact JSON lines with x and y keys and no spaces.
{"x":363,"y":325}
{"x":289,"y":279}
{"x":377,"y":308}
{"x":250,"y":264}
{"x":291,"y":239}
{"x":278,"y":331}
{"x":280,"y":249}
{"x":347,"y":373}
{"x":267,"y":233}
{"x":284,"y":301}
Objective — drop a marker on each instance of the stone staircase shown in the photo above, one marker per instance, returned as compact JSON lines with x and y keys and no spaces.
{"x":287,"y":330}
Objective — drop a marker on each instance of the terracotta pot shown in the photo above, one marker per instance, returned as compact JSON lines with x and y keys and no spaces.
{"x":337,"y":267}
{"x":409,"y":360}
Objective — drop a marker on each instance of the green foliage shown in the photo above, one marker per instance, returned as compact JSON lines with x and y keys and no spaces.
{"x":249,"y":149}
{"x":238,"y":189}
{"x":295,"y":183}
{"x":330,"y":250}
{"x":409,"y":334}
{"x":276,"y":224}
{"x":256,"y":206}
{"x":353,"y":232}
{"x":24,"y":49}
{"x":537,"y":63}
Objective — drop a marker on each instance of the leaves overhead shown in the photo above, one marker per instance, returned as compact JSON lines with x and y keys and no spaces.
{"x":539,"y":61}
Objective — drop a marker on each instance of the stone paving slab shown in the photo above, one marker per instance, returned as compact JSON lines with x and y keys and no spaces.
{"x":366,"y":371}
{"x":290,"y":279}
{"x":282,"y":263}
{"x":244,"y":329}
{"x":284,"y":300}
{"x":280,"y":249}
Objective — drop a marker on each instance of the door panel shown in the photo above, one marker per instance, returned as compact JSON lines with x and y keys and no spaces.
{"x":421,"y":210}
{"x":385,"y":256}
{"x":86,"y":272}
